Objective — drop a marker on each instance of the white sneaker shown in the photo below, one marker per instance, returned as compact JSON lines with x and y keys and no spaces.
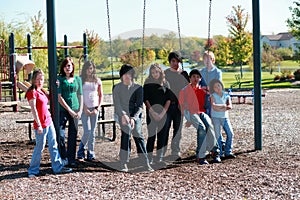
{"x":124,"y":168}
{"x":31,"y":175}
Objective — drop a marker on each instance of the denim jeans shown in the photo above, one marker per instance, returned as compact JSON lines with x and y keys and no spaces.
{"x":175,"y":116}
{"x":56,"y":161}
{"x":89,"y":124}
{"x":70,"y":152}
{"x":138,"y":139}
{"x":206,"y":140}
{"x":159,"y":129}
{"x":225,"y":123}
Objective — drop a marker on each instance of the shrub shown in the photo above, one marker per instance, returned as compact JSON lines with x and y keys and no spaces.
{"x":277,"y":77}
{"x":297,"y":74}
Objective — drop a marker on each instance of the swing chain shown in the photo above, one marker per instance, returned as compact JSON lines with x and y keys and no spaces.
{"x":209,"y":22}
{"x":178,"y":24}
{"x":110,"y":42}
{"x":143,"y":39}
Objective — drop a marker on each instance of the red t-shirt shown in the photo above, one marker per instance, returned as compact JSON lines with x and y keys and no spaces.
{"x":192,"y":99}
{"x":41,"y":107}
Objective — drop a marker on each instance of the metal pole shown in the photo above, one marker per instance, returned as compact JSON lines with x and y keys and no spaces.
{"x":12,"y":64}
{"x":257,"y":76}
{"x":52,"y":63}
{"x":29,"y":47}
{"x":85,"y":47}
{"x":66,"y":44}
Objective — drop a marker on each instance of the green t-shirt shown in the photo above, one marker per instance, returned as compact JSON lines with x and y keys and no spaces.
{"x":70,"y":92}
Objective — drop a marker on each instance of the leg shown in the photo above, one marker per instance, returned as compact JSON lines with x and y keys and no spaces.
{"x":151,"y":127}
{"x":56,"y":161}
{"x":161,"y":136}
{"x":91,"y":141}
{"x":72,"y":136}
{"x":125,"y":144}
{"x":34,"y":168}
{"x":201,"y":135}
{"x":139,"y":140}
{"x":62,"y":135}
{"x":177,"y":128}
{"x":85,"y":136}
{"x":229,"y":136}
{"x":217,"y":126}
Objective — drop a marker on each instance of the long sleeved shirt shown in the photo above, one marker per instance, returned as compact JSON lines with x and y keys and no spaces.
{"x":128,"y":100}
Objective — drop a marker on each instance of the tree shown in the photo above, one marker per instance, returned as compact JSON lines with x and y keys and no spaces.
{"x":294,"y":22}
{"x":241,"y":43}
{"x":269,"y":57}
{"x":222,"y":51}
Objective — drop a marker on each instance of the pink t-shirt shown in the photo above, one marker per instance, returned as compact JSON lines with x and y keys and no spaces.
{"x":90,"y":93}
{"x":41,"y":107}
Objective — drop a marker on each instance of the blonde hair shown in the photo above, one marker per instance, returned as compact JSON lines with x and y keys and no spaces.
{"x":210,"y":55}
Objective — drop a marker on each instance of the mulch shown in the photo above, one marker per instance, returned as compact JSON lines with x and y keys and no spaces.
{"x":270,"y":173}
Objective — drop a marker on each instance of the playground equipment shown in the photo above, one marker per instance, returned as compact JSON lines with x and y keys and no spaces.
{"x":11,"y":65}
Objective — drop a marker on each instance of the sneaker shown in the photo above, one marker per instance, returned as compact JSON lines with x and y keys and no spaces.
{"x":217,"y":159}
{"x":124,"y":168}
{"x":31,"y":175}
{"x":64,"y":170}
{"x":202,"y":161}
{"x":93,"y":159}
{"x":230,"y":156}
{"x":149,"y":168}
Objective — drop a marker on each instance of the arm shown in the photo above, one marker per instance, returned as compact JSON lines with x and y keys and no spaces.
{"x":118,"y":107}
{"x":34,"y":112}
{"x":228,"y":103}
{"x":136,"y":103}
{"x":164,"y":111}
{"x":66,"y":106}
{"x":217,"y":107}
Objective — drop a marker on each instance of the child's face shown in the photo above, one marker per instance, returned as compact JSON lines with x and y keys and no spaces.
{"x":195,"y":78}
{"x":39,"y":81}
{"x":155,"y":74}
{"x":174,"y":63}
{"x":207,"y":61}
{"x":218,"y":88}
{"x":127,"y":78}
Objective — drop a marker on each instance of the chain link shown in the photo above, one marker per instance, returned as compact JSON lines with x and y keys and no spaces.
{"x":209,"y":22}
{"x":178,"y":24}
{"x":143,"y":39}
{"x":110,"y":42}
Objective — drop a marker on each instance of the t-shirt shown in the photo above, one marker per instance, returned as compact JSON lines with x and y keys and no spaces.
{"x":156,"y":95}
{"x":192,"y":99}
{"x":214,"y":73}
{"x":41,"y":107}
{"x":90,"y":93}
{"x":177,"y":81}
{"x":70,"y":92}
{"x":220,"y":100}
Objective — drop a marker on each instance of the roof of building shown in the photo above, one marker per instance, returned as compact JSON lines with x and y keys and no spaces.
{"x":280,"y":36}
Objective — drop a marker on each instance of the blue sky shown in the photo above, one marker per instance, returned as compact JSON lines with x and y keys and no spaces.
{"x":74,"y":16}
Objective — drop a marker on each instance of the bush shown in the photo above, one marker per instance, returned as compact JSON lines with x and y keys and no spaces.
{"x":277,"y":77}
{"x":297,"y":74}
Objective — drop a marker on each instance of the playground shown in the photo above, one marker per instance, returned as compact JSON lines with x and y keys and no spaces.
{"x":270,"y":173}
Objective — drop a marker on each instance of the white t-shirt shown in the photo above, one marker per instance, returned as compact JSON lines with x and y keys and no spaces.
{"x":90,"y":93}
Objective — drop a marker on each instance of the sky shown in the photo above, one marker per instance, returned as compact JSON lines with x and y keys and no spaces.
{"x":73,"y":17}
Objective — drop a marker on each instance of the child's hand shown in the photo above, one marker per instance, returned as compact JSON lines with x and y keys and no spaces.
{"x":188,"y":124}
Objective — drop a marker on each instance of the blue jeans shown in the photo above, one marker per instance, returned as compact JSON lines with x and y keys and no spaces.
{"x":206,"y":139}
{"x":225,"y":123}
{"x":88,"y":137}
{"x":56,"y":161}
{"x":175,"y":116}
{"x":138,"y":139}
{"x":159,"y":129}
{"x":69,"y":153}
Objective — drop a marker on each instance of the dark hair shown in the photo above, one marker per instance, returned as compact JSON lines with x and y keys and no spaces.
{"x":213,"y":82}
{"x":86,"y":65}
{"x":126,"y":68}
{"x":63,"y":64}
{"x":195,"y":71}
{"x":150,"y":78}
{"x":35,"y":73}
{"x":175,"y":55}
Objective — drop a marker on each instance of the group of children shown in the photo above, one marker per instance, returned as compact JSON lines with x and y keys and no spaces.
{"x":169,"y":96}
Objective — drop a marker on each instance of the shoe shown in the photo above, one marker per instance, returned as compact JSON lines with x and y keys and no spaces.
{"x":202,"y":161}
{"x":65,"y":162}
{"x":149,"y":168}
{"x":91,"y":159}
{"x":124,"y":168}
{"x":217,"y":159}
{"x":31,"y":175}
{"x":80,"y":159}
{"x":73,"y":165}
{"x":64,"y":170}
{"x":230,"y":156}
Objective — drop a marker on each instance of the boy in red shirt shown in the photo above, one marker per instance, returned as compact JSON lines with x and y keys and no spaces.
{"x":191,"y":100}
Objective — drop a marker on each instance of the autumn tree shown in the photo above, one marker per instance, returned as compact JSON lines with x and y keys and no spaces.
{"x":241,"y":40}
{"x":294,"y":22}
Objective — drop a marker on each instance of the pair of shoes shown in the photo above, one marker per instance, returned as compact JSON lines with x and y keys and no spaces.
{"x":64,"y":170}
{"x":217,"y":159}
{"x":31,"y":175}
{"x":124,"y":168}
{"x":202,"y":161}
{"x":230,"y":156}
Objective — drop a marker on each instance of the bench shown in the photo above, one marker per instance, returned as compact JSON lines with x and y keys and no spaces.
{"x":29,"y":122}
{"x":244,"y":96}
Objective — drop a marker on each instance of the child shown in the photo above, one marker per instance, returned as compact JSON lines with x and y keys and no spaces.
{"x":43,"y":127}
{"x":177,"y":79}
{"x":128,"y":102}
{"x":209,"y":72}
{"x":92,"y":98}
{"x":70,"y":99}
{"x":157,"y":100}
{"x":191,"y":100}
{"x":221,"y":103}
